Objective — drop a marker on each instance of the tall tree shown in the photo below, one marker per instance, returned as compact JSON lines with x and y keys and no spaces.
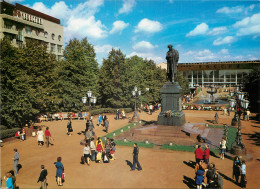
{"x":28,"y":86}
{"x":78,"y":73}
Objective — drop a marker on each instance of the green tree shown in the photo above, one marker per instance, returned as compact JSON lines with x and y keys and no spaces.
{"x":28,"y":86}
{"x":183,"y":83}
{"x":78,"y":73}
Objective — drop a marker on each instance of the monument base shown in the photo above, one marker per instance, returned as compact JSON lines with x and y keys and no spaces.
{"x":177,"y":120}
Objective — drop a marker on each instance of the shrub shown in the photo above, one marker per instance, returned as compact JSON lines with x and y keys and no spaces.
{"x":109,"y":110}
{"x":8,"y":133}
{"x":2,"y":127}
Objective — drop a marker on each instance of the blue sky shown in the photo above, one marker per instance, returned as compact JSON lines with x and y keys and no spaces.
{"x":202,"y":31}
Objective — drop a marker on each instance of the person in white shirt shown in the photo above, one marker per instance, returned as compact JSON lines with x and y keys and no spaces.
{"x":223,"y":147}
{"x":40,"y":135}
{"x":93,"y":150}
{"x":87,"y":153}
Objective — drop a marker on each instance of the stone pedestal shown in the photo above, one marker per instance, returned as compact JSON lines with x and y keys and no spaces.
{"x":171,"y":101}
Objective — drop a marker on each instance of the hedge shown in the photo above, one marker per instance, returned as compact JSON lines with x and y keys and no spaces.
{"x":109,"y":110}
{"x":2,"y":127}
{"x":8,"y":133}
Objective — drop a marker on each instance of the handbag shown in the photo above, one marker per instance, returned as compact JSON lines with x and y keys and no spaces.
{"x":63,"y":175}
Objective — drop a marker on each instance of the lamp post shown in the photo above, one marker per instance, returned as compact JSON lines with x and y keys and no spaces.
{"x":135,"y":93}
{"x":238,"y":147}
{"x":92,"y":99}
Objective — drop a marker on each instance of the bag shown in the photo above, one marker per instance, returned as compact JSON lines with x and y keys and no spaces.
{"x":106,"y":160}
{"x":63,"y":175}
{"x":82,"y":160}
{"x":99,"y":156}
{"x":93,"y":155}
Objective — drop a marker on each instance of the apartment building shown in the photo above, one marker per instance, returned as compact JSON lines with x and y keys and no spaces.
{"x":18,"y":23}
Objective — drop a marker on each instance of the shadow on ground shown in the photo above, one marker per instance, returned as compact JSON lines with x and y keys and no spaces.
{"x":189,"y":182}
{"x":129,"y":163}
{"x":254,"y":137}
{"x":145,"y":123}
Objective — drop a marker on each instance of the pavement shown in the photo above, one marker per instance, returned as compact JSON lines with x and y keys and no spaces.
{"x":161,"y":168}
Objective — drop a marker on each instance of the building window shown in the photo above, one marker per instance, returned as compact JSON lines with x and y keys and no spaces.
{"x":59,"y":57}
{"x":52,"y":47}
{"x":8,"y":25}
{"x":20,"y":35}
{"x":59,"y":48}
{"x":37,"y":32}
{"x":53,"y":36}
{"x":59,"y":37}
{"x":45,"y":34}
{"x":28,"y":30}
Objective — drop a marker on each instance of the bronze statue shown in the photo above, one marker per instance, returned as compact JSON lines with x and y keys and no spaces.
{"x":172,"y":58}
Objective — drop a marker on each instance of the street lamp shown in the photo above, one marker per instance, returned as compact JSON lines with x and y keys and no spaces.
{"x":92,"y":99}
{"x":135,"y":93}
{"x":238,"y":147}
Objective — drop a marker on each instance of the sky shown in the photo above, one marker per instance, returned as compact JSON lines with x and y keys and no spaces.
{"x":201,"y":31}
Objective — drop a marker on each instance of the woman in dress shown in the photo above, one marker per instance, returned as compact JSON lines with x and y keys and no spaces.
{"x":199,"y":175}
{"x":99,"y":151}
{"x":59,"y":171}
{"x":40,"y":135}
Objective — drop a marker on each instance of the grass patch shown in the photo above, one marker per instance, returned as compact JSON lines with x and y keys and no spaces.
{"x":179,"y":148}
{"x":232,"y":132}
{"x":216,"y":126}
{"x":131,"y":143}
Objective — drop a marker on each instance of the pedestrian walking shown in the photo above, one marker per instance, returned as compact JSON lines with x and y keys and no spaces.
{"x":135,"y":158}
{"x":100,"y":118}
{"x":16,"y":160}
{"x":59,"y":171}
{"x":229,"y":110}
{"x":236,"y":169}
{"x":88,"y":136}
{"x":93,"y":150}
{"x":216,"y":118}
{"x":243,"y":181}
{"x":69,"y":127}
{"x":13,"y":179}
{"x":87,"y":153}
{"x":117,"y":114}
{"x":40,"y":135}
{"x":206,"y":154}
{"x":199,"y":154}
{"x":47,"y":136}
{"x":211,"y":175}
{"x":106,"y":125}
{"x":104,"y":117}
{"x":43,"y":177}
{"x":223,"y":147}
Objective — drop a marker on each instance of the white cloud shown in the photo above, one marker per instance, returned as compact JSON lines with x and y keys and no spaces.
{"x":199,"y":56}
{"x":225,"y":40}
{"x":149,"y":56}
{"x":224,"y":51}
{"x":59,"y":10}
{"x":230,"y":10}
{"x":104,"y":48}
{"x":143,"y":46}
{"x":218,"y":30}
{"x":148,"y":26}
{"x":127,"y":6}
{"x":12,"y":1}
{"x":119,"y":26}
{"x":249,"y":25}
{"x":88,"y":27}
{"x":170,"y":1}
{"x":79,"y":21}
{"x":236,"y":9}
{"x":200,"y":29}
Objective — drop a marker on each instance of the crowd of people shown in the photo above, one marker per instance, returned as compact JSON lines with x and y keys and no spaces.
{"x":208,"y":176}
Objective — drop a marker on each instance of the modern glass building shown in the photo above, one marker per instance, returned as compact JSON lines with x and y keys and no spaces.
{"x":218,"y":73}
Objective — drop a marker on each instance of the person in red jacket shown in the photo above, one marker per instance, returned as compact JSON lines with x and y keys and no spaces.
{"x":199,"y":154}
{"x":206,"y":154}
{"x":47,"y":136}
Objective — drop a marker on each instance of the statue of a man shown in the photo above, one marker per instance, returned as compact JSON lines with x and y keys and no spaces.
{"x":172,"y":58}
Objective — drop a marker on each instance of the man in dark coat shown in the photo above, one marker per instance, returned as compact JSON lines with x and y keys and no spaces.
{"x":135,"y":158}
{"x":43,"y":178}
